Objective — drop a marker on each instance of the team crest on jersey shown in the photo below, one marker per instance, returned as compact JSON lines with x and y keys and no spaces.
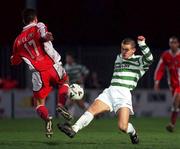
{"x":31,"y":35}
{"x":120,"y":66}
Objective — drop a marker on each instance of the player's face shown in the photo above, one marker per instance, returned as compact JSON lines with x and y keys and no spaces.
{"x":36,"y":20}
{"x":173,"y":44}
{"x":69,"y":59}
{"x":127,"y":50}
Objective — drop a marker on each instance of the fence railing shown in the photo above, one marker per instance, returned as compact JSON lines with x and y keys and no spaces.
{"x":19,"y":103}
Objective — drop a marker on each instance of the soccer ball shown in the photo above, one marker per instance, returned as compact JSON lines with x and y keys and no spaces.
{"x":76,"y":92}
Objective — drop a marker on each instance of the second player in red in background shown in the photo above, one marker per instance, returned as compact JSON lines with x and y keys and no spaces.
{"x":170,"y":59}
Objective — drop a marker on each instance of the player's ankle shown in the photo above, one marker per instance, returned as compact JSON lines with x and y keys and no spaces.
{"x":132,"y":133}
{"x":75,"y":128}
{"x":60,"y":105}
{"x":172,"y":124}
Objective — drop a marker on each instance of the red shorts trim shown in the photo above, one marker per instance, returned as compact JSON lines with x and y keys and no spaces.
{"x":175,"y":90}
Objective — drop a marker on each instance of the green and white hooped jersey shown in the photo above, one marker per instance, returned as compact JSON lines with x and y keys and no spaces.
{"x":128,"y":72}
{"x":75,"y":72}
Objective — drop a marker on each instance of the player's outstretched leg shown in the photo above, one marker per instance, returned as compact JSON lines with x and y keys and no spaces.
{"x":64,"y":112}
{"x":67,"y":129}
{"x":62,"y":97}
{"x":96,"y":108}
{"x":83,"y":121}
{"x":125,"y":126}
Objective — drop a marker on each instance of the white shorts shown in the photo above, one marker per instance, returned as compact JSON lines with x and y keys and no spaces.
{"x":116,"y":98}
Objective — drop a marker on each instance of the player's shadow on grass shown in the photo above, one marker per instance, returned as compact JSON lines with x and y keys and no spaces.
{"x":55,"y":143}
{"x":79,"y":142}
{"x":11,"y":143}
{"x":52,"y":143}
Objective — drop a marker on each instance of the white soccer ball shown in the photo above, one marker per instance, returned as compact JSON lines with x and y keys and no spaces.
{"x":76,"y":92}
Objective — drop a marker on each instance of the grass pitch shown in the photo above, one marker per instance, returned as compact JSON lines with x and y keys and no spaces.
{"x":100,"y":134}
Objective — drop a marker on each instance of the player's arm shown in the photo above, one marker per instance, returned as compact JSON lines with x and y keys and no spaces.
{"x":45,"y":35}
{"x":49,"y":49}
{"x":159,"y":72}
{"x":15,"y":58}
{"x":84,"y":70}
{"x":147,"y":58}
{"x":46,"y":38}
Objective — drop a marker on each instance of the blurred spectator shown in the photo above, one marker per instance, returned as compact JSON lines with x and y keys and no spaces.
{"x":77,"y":72}
{"x":8,"y":83}
{"x":93,"y":81}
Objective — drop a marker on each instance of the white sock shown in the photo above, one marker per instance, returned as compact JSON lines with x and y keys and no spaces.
{"x":83,"y":121}
{"x":131,"y":129}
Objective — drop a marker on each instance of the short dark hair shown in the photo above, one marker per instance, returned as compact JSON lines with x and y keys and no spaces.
{"x":129,"y":41}
{"x":28,"y":15}
{"x":70,"y":54}
{"x":174,"y":38}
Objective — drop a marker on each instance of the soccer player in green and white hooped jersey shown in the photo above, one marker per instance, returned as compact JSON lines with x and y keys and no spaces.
{"x":129,"y":68}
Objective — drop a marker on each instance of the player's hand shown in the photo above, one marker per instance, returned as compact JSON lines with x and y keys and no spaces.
{"x":49,"y":36}
{"x":141,"y":38}
{"x":11,"y":57}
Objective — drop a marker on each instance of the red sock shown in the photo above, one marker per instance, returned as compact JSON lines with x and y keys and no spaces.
{"x":42,"y":112}
{"x":62,"y":95}
{"x":174,"y":115}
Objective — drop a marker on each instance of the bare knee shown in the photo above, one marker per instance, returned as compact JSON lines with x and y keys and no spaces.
{"x":98,"y":107}
{"x":123,"y":127}
{"x":40,"y":102}
{"x":92,"y":110}
{"x":63,"y":90}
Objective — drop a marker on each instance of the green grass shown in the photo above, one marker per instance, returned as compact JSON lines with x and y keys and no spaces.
{"x":101,"y":134}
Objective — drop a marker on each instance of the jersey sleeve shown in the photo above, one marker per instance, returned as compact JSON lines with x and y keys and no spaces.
{"x":160,"y":69}
{"x":147,"y":57}
{"x":42,"y":29}
{"x":53,"y":54}
{"x":84,"y":70}
{"x":15,"y":58}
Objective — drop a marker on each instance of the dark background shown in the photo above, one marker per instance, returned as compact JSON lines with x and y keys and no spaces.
{"x":84,"y":25}
{"x":97,"y":22}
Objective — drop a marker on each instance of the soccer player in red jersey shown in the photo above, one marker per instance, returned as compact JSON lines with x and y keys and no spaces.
{"x":170,"y":59}
{"x":33,"y":46}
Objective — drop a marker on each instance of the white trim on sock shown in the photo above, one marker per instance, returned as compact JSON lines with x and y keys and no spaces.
{"x":38,"y":106}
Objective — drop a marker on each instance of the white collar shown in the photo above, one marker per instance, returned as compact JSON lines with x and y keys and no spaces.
{"x":29,"y":25}
{"x":178,"y":52}
{"x":129,"y":57}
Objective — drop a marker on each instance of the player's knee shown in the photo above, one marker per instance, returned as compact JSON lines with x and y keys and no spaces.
{"x":92,"y":111}
{"x":123,"y":127}
{"x":63,"y":90}
{"x":39,"y":102}
{"x":175,"y":105}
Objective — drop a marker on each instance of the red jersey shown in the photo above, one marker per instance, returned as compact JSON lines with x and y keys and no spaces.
{"x":172,"y":63}
{"x":29,"y":47}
